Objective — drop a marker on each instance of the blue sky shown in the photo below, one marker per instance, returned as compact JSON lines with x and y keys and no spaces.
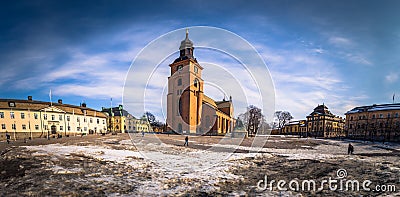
{"x":342,"y":53}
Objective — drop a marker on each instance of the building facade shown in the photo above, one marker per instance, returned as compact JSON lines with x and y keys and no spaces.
{"x":23,"y":119}
{"x":297,"y":127}
{"x":137,"y":125}
{"x":116,"y":119}
{"x":322,"y":123}
{"x":189,"y":110}
{"x":121,"y":121}
{"x":374,"y":122}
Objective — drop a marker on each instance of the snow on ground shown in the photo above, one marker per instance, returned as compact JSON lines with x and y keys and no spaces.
{"x":199,"y":172}
{"x":97,"y":152}
{"x":176,"y":169}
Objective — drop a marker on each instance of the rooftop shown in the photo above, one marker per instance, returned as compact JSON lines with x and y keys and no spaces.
{"x":41,"y":105}
{"x":374,"y":107}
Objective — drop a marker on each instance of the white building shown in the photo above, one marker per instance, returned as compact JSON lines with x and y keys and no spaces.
{"x":23,"y":119}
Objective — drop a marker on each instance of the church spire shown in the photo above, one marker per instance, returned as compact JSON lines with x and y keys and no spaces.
{"x":186,"y":49}
{"x":187,"y":43}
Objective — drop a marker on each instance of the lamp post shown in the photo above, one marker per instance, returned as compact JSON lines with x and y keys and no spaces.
{"x":15,"y":130}
{"x":29,"y":123}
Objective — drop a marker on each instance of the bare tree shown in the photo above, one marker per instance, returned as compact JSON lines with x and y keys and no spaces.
{"x":150,"y":117}
{"x":252,"y":120}
{"x":283,"y":117}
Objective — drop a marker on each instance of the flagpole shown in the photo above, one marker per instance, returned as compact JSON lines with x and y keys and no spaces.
{"x":111,"y":119}
{"x":51,"y":103}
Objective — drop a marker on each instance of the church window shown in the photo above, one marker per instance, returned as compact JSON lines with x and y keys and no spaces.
{"x":196,"y":70}
{"x":196,"y":81}
{"x":179,"y":127}
{"x":179,"y":82}
{"x":178,"y":108}
{"x":207,"y":121}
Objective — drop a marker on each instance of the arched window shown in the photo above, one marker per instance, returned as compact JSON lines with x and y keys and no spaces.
{"x":180,"y":128}
{"x":207,"y":121}
{"x":196,"y":82}
{"x":179,"y":82}
{"x":179,"y":108}
{"x":180,"y":67}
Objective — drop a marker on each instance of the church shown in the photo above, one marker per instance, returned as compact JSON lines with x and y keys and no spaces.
{"x":189,"y":110}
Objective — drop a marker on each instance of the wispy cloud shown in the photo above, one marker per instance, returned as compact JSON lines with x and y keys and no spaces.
{"x":392,"y":77}
{"x":303,"y":81}
{"x":340,"y":41}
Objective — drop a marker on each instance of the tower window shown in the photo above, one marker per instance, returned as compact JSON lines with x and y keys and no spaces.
{"x":180,"y":67}
{"x":179,"y":107}
{"x":196,"y":81}
{"x":179,"y":82}
{"x":196,"y":70}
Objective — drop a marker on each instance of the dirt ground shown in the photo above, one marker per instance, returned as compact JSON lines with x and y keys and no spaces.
{"x":112,"y":165}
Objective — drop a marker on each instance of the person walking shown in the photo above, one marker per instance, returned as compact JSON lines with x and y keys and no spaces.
{"x":186,"y":141}
{"x":350,"y":149}
{"x":8,"y":138}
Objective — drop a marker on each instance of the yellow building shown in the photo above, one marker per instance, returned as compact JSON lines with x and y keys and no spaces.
{"x":322,"y":123}
{"x":374,"y":122}
{"x":23,"y":119}
{"x":188,"y":109}
{"x":138,"y":125}
{"x":298,"y":127}
{"x":116,"y":119}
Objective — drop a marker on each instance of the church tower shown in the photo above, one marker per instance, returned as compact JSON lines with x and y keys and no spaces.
{"x":185,"y":91}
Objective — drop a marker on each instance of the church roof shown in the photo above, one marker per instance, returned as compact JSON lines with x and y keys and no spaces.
{"x":223,"y":104}
{"x":209,"y":101}
{"x":187,"y":43}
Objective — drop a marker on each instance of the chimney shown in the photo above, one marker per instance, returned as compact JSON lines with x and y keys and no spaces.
{"x":83,"y":104}
{"x":29,"y":98}
{"x":59,"y":101}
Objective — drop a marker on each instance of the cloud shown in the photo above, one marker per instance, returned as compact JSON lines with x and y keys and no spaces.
{"x":302,"y":81}
{"x":359,"y":59}
{"x":392,"y":77}
{"x":340,"y":41}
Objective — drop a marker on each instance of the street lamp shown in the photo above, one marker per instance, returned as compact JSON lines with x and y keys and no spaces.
{"x":15,"y":130}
